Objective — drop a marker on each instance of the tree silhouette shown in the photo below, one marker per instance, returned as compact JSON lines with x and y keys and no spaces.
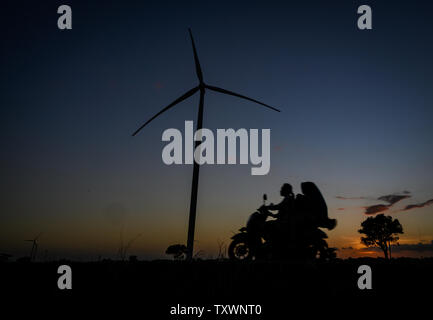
{"x":380,"y":231}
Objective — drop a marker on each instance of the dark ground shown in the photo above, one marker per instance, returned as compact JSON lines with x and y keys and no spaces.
{"x":278,"y":286}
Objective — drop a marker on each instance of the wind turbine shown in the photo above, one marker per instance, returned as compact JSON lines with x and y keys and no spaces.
{"x":34,"y":249}
{"x":123,"y":250}
{"x":202,"y":86}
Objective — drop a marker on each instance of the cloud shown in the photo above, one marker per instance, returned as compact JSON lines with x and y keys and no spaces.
{"x":376,"y":208}
{"x":158,"y":85}
{"x":390,"y":198}
{"x":418,"y":247}
{"x":414,"y":247}
{"x":393,"y":198}
{"x":350,"y":198}
{"x":418,"y":205}
{"x":347,"y":248}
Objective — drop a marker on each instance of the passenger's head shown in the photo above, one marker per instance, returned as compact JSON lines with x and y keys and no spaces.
{"x":309,"y":189}
{"x":286,"y":190}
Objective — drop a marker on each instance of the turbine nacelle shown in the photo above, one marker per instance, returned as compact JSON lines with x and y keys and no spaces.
{"x":202,"y":86}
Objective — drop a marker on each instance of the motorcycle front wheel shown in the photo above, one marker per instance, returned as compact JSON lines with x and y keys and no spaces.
{"x":240,"y":250}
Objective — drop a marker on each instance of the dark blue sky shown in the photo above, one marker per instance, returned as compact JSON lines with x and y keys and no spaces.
{"x":356,"y":114}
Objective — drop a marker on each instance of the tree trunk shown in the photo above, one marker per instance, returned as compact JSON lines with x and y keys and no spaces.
{"x":385,"y":251}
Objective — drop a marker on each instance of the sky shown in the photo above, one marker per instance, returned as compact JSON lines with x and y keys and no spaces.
{"x":357,"y":109}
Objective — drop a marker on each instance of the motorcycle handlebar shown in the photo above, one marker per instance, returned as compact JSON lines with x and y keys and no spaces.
{"x":264,"y":210}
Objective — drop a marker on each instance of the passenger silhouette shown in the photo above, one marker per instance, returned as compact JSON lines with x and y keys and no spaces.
{"x":312,"y":206}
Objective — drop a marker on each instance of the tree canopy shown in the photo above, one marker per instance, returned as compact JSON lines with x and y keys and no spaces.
{"x":381,"y":231}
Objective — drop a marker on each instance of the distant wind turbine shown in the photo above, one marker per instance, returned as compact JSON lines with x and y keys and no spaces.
{"x":123,"y":250}
{"x":34,"y":248}
{"x":202,"y":86}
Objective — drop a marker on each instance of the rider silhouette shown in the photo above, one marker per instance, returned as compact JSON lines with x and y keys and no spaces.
{"x":284,"y":228}
{"x":285,"y":208}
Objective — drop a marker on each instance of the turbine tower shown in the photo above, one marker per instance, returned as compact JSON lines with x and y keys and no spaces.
{"x":202,"y":86}
{"x":34,"y":248}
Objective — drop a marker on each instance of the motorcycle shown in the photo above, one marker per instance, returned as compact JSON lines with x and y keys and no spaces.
{"x":263,"y":239}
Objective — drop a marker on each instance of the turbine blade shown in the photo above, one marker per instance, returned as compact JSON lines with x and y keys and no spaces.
{"x":197,"y":62}
{"x":240,"y":96}
{"x":180,"y":99}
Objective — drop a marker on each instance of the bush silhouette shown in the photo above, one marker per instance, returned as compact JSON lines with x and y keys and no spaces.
{"x":177,"y":250}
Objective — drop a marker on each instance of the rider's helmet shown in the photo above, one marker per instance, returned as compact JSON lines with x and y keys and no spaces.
{"x":286,"y":190}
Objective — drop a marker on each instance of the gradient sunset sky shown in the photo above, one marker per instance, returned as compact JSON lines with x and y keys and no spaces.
{"x":357,"y":119}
